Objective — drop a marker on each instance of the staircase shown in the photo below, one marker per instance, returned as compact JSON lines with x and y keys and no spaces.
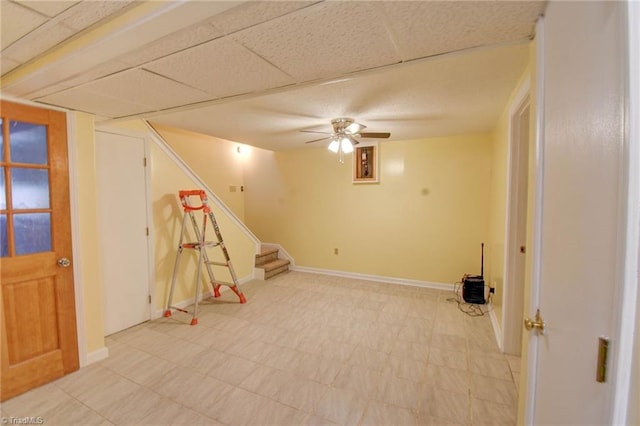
{"x":268,"y":261}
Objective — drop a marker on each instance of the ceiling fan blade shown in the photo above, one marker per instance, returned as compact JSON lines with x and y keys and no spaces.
{"x":317,"y":140}
{"x":355,"y":128}
{"x":314,"y":131}
{"x":377,"y":135}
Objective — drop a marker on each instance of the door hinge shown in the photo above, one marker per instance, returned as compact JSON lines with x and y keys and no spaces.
{"x":149,"y":299}
{"x":144,"y":162}
{"x":603,"y":352}
{"x":147,"y":231}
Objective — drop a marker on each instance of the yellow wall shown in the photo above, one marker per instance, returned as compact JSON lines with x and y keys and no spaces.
{"x":423,"y":221}
{"x":90,"y":276}
{"x":166,"y":180}
{"x":216,"y":161}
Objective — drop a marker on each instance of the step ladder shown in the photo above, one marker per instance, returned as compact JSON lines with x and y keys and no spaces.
{"x":201,"y":245}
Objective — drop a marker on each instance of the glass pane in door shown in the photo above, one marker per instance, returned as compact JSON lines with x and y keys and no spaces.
{"x":3,"y":190}
{"x":1,"y":141}
{"x":29,"y":188}
{"x":28,"y":143}
{"x":32,"y":232}
{"x":4,"y":241}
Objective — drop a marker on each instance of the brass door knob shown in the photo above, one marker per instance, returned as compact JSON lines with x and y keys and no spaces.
{"x":64,"y":262}
{"x":536,"y":323}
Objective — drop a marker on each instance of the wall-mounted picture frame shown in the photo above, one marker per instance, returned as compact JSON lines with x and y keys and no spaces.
{"x":365,"y":163}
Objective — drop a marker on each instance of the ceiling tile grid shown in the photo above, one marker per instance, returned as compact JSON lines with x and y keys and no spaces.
{"x":255,"y":12}
{"x":48,"y":8}
{"x":88,"y":13}
{"x":221,"y":68}
{"x":423,"y":29}
{"x":17,"y":21}
{"x":172,"y":43}
{"x":146,"y":88}
{"x":322,"y":41}
{"x":80,"y":99}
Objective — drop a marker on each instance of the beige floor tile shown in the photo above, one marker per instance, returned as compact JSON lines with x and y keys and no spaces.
{"x":368,"y":358}
{"x":357,"y":379}
{"x":233,"y":370}
{"x":398,"y":392}
{"x":514,"y":363}
{"x":494,"y":390}
{"x":267,"y":381}
{"x":490,"y":413}
{"x":73,"y":413}
{"x":146,"y":370}
{"x":170,"y":413}
{"x":108,"y":392}
{"x":133,"y":407}
{"x":314,"y":420}
{"x":318,"y":368}
{"x":447,"y":406}
{"x":342,"y":407}
{"x":449,"y":342}
{"x":302,"y":394}
{"x":497,"y":368}
{"x":406,"y":367}
{"x":449,"y":379}
{"x":415,"y":350}
{"x":36,"y":402}
{"x":447,"y":358}
{"x":378,"y":414}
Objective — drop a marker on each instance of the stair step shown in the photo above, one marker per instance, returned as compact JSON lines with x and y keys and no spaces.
{"x":274,"y":264}
{"x":277,"y":271}
{"x":266,"y":255}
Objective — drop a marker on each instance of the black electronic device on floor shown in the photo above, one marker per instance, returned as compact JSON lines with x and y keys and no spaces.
{"x":473,"y":285}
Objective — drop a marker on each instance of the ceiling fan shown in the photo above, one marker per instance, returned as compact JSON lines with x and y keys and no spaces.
{"x":343,"y":137}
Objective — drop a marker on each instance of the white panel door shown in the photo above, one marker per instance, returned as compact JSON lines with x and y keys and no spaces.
{"x":122,"y":221}
{"x":579,"y":247}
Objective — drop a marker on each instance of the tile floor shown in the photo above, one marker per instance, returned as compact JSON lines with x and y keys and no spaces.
{"x":306,"y":349}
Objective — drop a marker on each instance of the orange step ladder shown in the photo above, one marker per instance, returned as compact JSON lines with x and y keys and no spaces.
{"x":201,"y":245}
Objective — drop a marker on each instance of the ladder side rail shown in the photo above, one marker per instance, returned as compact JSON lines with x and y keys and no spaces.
{"x":175,"y":267}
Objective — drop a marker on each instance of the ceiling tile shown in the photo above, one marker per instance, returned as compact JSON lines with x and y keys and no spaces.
{"x":95,"y":73}
{"x":172,"y":43}
{"x":89,"y":12}
{"x":37,"y":42}
{"x":83,"y":100}
{"x":7,"y":64}
{"x":222,"y":68}
{"x":145,"y":88}
{"x":423,"y":29}
{"x":324,"y":40}
{"x":17,"y":21}
{"x":49,"y":8}
{"x":255,"y":12}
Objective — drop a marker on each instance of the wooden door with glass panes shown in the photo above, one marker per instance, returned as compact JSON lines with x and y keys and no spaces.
{"x":37,"y":303}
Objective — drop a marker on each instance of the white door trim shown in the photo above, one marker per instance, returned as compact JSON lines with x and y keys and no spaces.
{"x":628,"y":298}
{"x":511,"y":321}
{"x":537,"y":222}
{"x":72,"y":144}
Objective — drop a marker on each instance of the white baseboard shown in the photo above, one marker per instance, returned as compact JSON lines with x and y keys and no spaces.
{"x":497,"y":331}
{"x":376,"y":278}
{"x":95,"y":356}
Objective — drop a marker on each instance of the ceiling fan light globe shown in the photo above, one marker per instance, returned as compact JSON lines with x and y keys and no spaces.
{"x":334,"y":146}
{"x":347,"y":147}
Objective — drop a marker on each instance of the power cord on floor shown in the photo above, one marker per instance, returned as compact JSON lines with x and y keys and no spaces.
{"x":471,"y":309}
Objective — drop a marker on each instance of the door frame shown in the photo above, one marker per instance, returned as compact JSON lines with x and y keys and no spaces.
{"x":514,"y":291}
{"x":626,"y":285}
{"x":151,"y":272}
{"x":628,"y":295}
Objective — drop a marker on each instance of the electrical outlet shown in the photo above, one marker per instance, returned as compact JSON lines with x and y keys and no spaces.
{"x":335,"y":251}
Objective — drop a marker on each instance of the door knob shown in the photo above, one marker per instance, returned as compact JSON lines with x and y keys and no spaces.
{"x":536,"y":323}
{"x":64,"y":262}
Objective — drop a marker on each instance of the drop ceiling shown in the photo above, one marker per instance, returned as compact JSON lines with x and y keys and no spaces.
{"x":259,"y":72}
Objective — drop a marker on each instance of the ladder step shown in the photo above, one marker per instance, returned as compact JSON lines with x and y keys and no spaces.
{"x":211,"y":262}
{"x":197,"y":245}
{"x":216,"y":283}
